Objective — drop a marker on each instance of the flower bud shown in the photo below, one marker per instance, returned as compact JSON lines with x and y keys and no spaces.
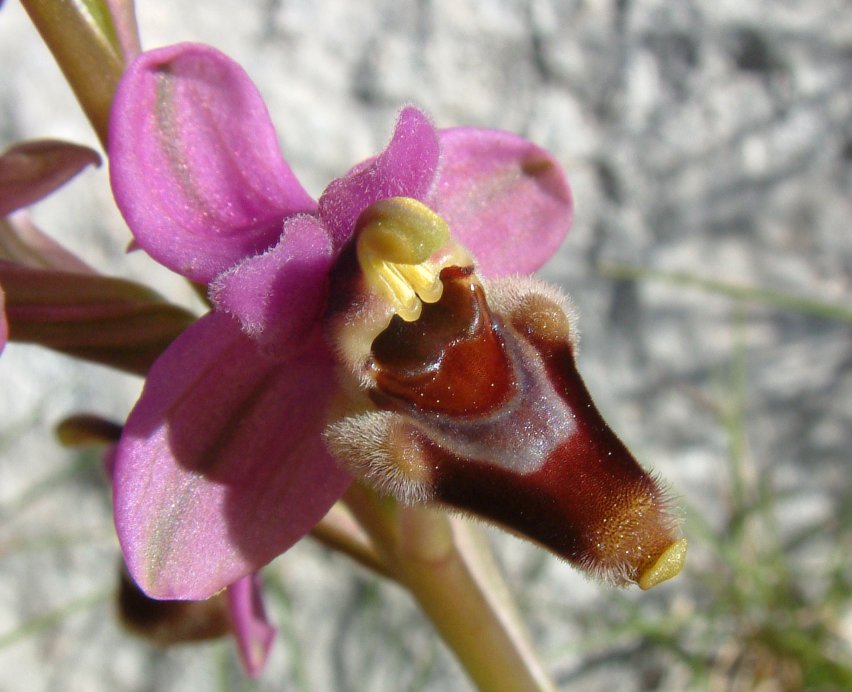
{"x":170,"y":622}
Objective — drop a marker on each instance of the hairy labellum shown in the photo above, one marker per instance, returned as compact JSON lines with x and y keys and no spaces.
{"x":477,"y":405}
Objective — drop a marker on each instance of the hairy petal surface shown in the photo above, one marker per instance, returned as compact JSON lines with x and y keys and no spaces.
{"x":221,"y":466}
{"x":279,"y":296}
{"x":406,"y":168}
{"x":251,"y":627}
{"x":505,"y":199}
{"x":32,"y":170}
{"x":195,"y":164}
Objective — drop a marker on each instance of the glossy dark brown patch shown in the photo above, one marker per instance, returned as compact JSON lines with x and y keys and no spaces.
{"x":451,"y":360}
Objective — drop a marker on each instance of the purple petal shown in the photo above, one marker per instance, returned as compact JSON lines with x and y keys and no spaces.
{"x":406,"y":168}
{"x":279,"y":296}
{"x":221,"y":466}
{"x":32,"y":170}
{"x":505,"y":199}
{"x":252,"y":629}
{"x":195,"y":164}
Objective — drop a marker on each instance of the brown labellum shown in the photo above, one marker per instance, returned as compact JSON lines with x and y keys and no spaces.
{"x":482,"y":409}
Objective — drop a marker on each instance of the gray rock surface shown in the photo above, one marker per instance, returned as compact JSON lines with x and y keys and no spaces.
{"x":707,"y":140}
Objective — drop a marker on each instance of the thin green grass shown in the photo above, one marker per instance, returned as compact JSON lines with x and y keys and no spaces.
{"x":780,"y":300}
{"x":754,"y":622}
{"x":54,"y":617}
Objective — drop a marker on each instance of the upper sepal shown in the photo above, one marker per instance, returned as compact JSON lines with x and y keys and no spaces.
{"x":195,"y":164}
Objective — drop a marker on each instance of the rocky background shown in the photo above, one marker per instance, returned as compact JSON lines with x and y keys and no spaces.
{"x":708,"y":146}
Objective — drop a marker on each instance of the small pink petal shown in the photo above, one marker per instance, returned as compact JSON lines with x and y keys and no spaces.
{"x":32,"y":170}
{"x":279,"y":296}
{"x":406,"y":168}
{"x":505,"y":199}
{"x":251,"y":627}
{"x":221,"y":466}
{"x":195,"y":164}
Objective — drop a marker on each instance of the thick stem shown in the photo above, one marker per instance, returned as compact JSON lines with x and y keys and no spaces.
{"x":454,"y":579}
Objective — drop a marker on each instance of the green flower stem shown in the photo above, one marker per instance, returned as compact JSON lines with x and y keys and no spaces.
{"x":340,"y":532}
{"x":454,"y":579}
{"x":83,"y":40}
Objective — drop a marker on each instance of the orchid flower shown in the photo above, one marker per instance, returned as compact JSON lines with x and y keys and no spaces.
{"x":366,"y":335}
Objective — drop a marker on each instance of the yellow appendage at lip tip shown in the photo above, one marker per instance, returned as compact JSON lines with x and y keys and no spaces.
{"x":668,"y":565}
{"x":396,"y":238}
